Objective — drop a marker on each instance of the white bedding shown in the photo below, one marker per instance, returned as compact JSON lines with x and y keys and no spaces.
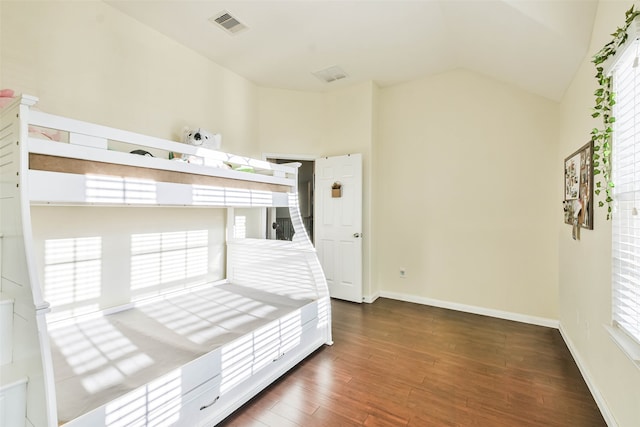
{"x":101,"y":359}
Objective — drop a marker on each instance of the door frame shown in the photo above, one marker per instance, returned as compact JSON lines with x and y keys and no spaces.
{"x":293,"y":158}
{"x":366,"y":180}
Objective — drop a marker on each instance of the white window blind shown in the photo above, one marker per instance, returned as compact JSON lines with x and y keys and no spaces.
{"x":626,"y":193}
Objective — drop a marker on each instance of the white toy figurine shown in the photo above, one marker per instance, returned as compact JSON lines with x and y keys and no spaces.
{"x":202,"y":138}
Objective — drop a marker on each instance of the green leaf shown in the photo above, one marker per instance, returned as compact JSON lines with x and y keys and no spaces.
{"x":598,"y":184}
{"x":597,"y":191}
{"x":596,"y":114}
{"x":601,"y":203}
{"x":596,"y":171}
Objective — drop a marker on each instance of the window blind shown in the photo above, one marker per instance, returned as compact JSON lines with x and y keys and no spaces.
{"x":626,"y":193}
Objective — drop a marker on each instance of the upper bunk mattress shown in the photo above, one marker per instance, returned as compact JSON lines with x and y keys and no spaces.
{"x":100,"y":359}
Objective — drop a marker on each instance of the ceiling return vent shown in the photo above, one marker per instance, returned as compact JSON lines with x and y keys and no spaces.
{"x":331,"y":74}
{"x":228,"y":23}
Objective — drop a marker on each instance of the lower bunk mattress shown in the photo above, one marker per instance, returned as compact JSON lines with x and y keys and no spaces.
{"x":99,"y":359}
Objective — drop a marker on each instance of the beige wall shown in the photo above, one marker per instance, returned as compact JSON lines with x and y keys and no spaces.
{"x":291,"y":122}
{"x":585,"y":267}
{"x":88,"y":61}
{"x":465,"y":202}
{"x":325,"y":124}
{"x":463,"y":168}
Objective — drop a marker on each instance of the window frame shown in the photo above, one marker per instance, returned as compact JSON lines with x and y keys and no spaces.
{"x":626,"y":336}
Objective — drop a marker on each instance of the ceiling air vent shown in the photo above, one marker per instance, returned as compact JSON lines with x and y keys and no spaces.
{"x":228,"y":23}
{"x":331,"y":74}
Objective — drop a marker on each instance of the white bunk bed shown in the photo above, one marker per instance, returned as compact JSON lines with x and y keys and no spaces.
{"x":139,"y":291}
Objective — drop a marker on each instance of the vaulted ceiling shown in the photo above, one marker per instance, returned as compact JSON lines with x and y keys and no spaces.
{"x":537,"y":45}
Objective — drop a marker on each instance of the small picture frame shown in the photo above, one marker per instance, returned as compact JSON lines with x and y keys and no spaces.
{"x":578,"y":187}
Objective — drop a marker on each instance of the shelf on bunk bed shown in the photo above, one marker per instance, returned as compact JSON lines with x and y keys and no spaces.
{"x":60,"y":173}
{"x":50,"y":163}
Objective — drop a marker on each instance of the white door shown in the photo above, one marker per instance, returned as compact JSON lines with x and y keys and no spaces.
{"x":338,"y":224}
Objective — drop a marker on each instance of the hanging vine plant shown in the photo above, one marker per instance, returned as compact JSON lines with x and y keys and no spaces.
{"x":605,"y":100}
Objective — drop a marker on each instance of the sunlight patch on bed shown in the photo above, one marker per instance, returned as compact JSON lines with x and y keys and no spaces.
{"x":274,"y":270}
{"x":98,"y":352}
{"x":237,"y":358}
{"x":290,"y":331}
{"x":201,"y":326}
{"x":161,"y":258}
{"x":157,"y":404}
{"x":72,"y":275}
{"x":105,"y":378}
{"x":239,"y":226}
{"x":208,"y":196}
{"x":217,"y":196}
{"x":261,"y":198}
{"x":112,"y":189}
{"x":324,"y":312}
{"x":247,"y":355}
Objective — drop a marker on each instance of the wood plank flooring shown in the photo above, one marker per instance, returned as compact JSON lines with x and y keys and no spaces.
{"x":402,"y":364}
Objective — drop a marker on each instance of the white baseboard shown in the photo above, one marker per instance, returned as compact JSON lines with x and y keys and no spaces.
{"x":602,"y":404}
{"x":371,"y":298}
{"x":517,"y":317}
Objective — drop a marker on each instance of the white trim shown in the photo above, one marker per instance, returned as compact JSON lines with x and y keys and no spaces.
{"x":305,"y":157}
{"x":628,"y":346}
{"x":597,"y":396}
{"x":507,"y":315}
{"x":633,"y":35}
{"x":371,"y":298}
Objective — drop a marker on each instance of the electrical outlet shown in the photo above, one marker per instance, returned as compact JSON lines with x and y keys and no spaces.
{"x":403,"y":273}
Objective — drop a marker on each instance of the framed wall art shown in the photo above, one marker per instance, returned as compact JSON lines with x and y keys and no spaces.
{"x":578,"y":187}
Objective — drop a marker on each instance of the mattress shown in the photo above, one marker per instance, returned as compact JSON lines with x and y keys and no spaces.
{"x":99,"y":359}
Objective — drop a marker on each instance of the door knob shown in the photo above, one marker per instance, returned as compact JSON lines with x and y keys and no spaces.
{"x":356,"y":235}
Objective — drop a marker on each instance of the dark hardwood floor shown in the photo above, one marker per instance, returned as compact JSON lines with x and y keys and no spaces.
{"x":401,"y":364}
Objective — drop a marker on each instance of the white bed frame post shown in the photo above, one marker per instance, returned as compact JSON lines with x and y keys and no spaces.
{"x":301,"y":241}
{"x":19,"y":276}
{"x":301,"y":237}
